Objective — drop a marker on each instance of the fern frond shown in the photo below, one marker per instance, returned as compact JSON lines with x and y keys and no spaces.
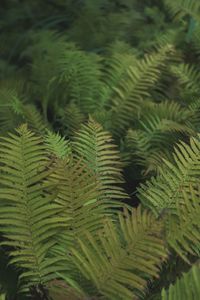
{"x":184,"y":7}
{"x":115,"y":70}
{"x":188,"y":77}
{"x":34,"y":119}
{"x":79,"y":74}
{"x":98,"y":152}
{"x":164,"y":191}
{"x":144,"y":152}
{"x":174,"y":195}
{"x":45,"y":49}
{"x":15,"y":110}
{"x":185,"y":288}
{"x":29,"y":219}
{"x":183,"y":227}
{"x":170,"y":36}
{"x":169,"y":110}
{"x":10,"y":107}
{"x":70,"y":119}
{"x":125,"y":257}
{"x":75,"y":73}
{"x":158,"y":129}
{"x":194,"y":107}
{"x":77,"y":195}
{"x":57,"y":145}
{"x":135,"y":87}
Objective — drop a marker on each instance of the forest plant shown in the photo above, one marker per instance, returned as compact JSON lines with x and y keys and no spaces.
{"x":131,"y":69}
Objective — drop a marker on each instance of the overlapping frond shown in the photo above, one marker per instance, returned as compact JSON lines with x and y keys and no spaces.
{"x":157,"y":130}
{"x":185,"y":288}
{"x":188,"y":77}
{"x":34,"y":119}
{"x":171,"y":36}
{"x":86,"y":182}
{"x":70,"y":119}
{"x":98,"y":152}
{"x":183,"y":226}
{"x":133,"y":71}
{"x":135,"y":87}
{"x":57,"y":145}
{"x":146,"y":153}
{"x":184,"y":7}
{"x":115,"y":70}
{"x":125,"y":257}
{"x":10,"y":107}
{"x":29,"y":219}
{"x":77,"y":195}
{"x":164,"y":191}
{"x":174,"y":196}
{"x":15,"y":110}
{"x":79,"y":76}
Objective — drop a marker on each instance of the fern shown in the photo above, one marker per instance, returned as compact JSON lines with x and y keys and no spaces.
{"x":144,"y":152}
{"x":116,"y":264}
{"x":164,"y":192}
{"x":174,"y":194}
{"x":131,"y":71}
{"x":80,"y":186}
{"x":188,"y":77}
{"x":159,"y":128}
{"x":29,"y":218}
{"x":184,"y":7}
{"x":77,"y":195}
{"x":15,"y":110}
{"x":80,"y":75}
{"x":57,"y":145}
{"x":10,"y":108}
{"x":56,"y":62}
{"x":132,"y":90}
{"x":98,"y":152}
{"x":33,"y":118}
{"x":182,"y":228}
{"x":70,"y":119}
{"x":187,"y":287}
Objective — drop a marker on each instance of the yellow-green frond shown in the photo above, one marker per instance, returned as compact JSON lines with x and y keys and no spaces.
{"x":185,"y":288}
{"x":99,"y":153}
{"x":125,"y":257}
{"x":136,"y":86}
{"x":180,"y":8}
{"x":165,"y":190}
{"x":57,"y":145}
{"x":29,"y":219}
{"x":182,"y":227}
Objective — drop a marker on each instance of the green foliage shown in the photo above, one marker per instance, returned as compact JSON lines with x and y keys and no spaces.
{"x":187,"y":287}
{"x":29,"y":220}
{"x":71,"y":229}
{"x":97,"y":151}
{"x":57,"y":145}
{"x":184,"y":7}
{"x":174,"y":195}
{"x":163,"y":192}
{"x":98,"y":100}
{"x":120,"y":265}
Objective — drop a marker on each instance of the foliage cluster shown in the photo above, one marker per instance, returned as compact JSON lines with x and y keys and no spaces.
{"x":92,"y":92}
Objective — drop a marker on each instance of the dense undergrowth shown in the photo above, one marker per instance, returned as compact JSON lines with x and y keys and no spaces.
{"x":99,"y":149}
